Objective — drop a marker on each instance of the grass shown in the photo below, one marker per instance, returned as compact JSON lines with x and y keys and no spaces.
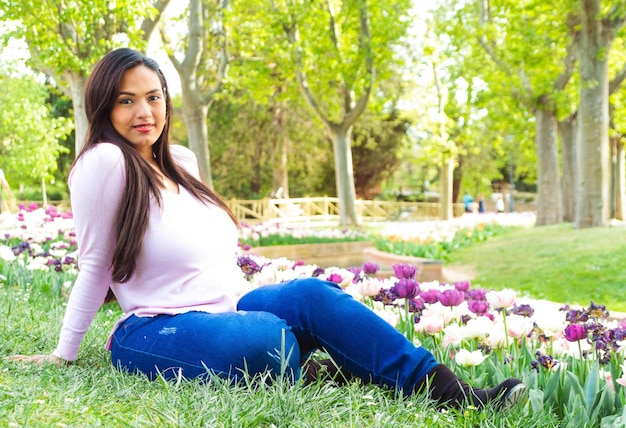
{"x":557,"y":263}
{"x":91,"y":393}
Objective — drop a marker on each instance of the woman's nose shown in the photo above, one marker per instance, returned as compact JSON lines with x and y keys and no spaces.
{"x":143,"y":109}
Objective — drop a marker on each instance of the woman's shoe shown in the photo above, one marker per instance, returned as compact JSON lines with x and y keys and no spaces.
{"x":448,"y":390}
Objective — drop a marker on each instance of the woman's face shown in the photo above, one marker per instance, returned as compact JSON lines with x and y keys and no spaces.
{"x":139,"y":110}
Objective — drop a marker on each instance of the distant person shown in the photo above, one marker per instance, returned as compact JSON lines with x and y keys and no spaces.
{"x":481,"y":204}
{"x":467,"y":202}
{"x":499,"y":205}
{"x":5,"y":185}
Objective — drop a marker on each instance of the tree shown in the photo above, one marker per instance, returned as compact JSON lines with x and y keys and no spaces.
{"x":202,"y":70}
{"x":66,"y":37}
{"x":29,"y":136}
{"x":598,"y":30}
{"x":540,"y":50}
{"x":338,"y":49}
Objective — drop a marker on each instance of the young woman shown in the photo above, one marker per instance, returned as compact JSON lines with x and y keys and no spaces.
{"x":165,"y":244}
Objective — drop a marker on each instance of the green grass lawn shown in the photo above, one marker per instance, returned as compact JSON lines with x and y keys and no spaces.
{"x":557,"y":263}
{"x":91,"y":393}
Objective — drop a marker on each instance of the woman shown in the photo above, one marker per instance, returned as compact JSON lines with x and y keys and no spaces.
{"x":165,"y":244}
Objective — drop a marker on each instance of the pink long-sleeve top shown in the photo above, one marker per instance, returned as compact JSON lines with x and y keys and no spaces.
{"x":187,"y":261}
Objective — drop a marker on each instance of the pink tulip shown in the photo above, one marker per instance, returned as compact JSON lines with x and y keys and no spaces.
{"x":501,"y":299}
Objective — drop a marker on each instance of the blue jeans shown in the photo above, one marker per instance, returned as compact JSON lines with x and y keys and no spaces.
{"x":275,"y":328}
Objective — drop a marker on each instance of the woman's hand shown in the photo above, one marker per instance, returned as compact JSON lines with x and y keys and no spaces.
{"x":38,"y":359}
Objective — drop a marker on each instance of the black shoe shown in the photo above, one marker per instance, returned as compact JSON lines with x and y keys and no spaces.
{"x":507,"y":394}
{"x":314,"y":370}
{"x":448,"y":390}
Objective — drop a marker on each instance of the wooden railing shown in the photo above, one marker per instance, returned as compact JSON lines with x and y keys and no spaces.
{"x":326,"y":209}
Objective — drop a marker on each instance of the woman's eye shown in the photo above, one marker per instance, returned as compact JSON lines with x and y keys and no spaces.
{"x":126,"y":101}
{"x":154,"y":98}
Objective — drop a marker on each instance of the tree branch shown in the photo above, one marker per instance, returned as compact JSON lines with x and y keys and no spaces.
{"x":615,"y":83}
{"x":149,"y":24}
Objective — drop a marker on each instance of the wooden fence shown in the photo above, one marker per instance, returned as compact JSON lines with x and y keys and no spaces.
{"x":326,"y":209}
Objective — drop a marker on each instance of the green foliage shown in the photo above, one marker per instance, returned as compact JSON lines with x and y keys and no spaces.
{"x":273,"y":239}
{"x":31,"y":137}
{"x":438,"y":250}
{"x":65,"y":36}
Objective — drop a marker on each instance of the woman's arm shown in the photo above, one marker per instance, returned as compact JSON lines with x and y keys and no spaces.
{"x":96,"y":185}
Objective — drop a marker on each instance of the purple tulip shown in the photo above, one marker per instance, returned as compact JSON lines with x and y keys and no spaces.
{"x":430,"y":296}
{"x":451,"y":297}
{"x":248,"y":265}
{"x":406,"y":288}
{"x":370,"y":268}
{"x":575,"y":332}
{"x":357,"y":273}
{"x":478,"y":307}
{"x":462,"y":285}
{"x":404,"y":271}
{"x":597,"y":311}
{"x":477,"y":294}
{"x":574,"y":316}
{"x":336,"y":278}
{"x":523,"y":310}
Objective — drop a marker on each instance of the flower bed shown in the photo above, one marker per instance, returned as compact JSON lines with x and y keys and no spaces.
{"x":571,"y":359}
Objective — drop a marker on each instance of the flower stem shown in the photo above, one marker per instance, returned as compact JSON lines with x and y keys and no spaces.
{"x":506,"y":330}
{"x":409,"y":322}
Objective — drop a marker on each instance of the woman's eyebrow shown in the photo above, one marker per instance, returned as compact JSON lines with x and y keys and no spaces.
{"x":152,"y":91}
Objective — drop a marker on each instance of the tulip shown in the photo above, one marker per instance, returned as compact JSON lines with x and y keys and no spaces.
{"x":369,"y":287}
{"x":404,"y":271}
{"x":370,"y":268}
{"x":430,"y":325}
{"x":453,"y":335}
{"x":478,"y":307}
{"x":406,"y":288}
{"x":477,"y":293}
{"x":451,"y":297}
{"x":501,"y":299}
{"x":462,"y":285}
{"x":518,"y":326}
{"x":430,"y":296}
{"x":575,"y":332}
{"x":467,"y":358}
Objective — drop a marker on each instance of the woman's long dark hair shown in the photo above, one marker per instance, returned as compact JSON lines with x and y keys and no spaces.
{"x":133,"y":213}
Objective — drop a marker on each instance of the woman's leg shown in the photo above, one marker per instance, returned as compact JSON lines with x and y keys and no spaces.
{"x":196,"y":343}
{"x":321,"y":315}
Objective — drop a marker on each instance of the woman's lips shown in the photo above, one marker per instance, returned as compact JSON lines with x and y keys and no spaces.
{"x":145,"y":127}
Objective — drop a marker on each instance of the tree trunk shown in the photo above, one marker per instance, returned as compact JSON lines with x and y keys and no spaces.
{"x":457,"y":178}
{"x":77,"y":85}
{"x":549,"y":201}
{"x":446,"y":179}
{"x":618,"y":182}
{"x":569,"y":180}
{"x":592,"y":208}
{"x":280,"y":177}
{"x":344,"y":177}
{"x":194,"y":114}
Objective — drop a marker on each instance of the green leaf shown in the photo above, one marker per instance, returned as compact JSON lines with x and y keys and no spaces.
{"x":592,"y":386}
{"x":535,"y":396}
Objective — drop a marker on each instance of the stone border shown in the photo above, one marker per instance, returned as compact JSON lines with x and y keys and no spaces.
{"x":346,"y":254}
